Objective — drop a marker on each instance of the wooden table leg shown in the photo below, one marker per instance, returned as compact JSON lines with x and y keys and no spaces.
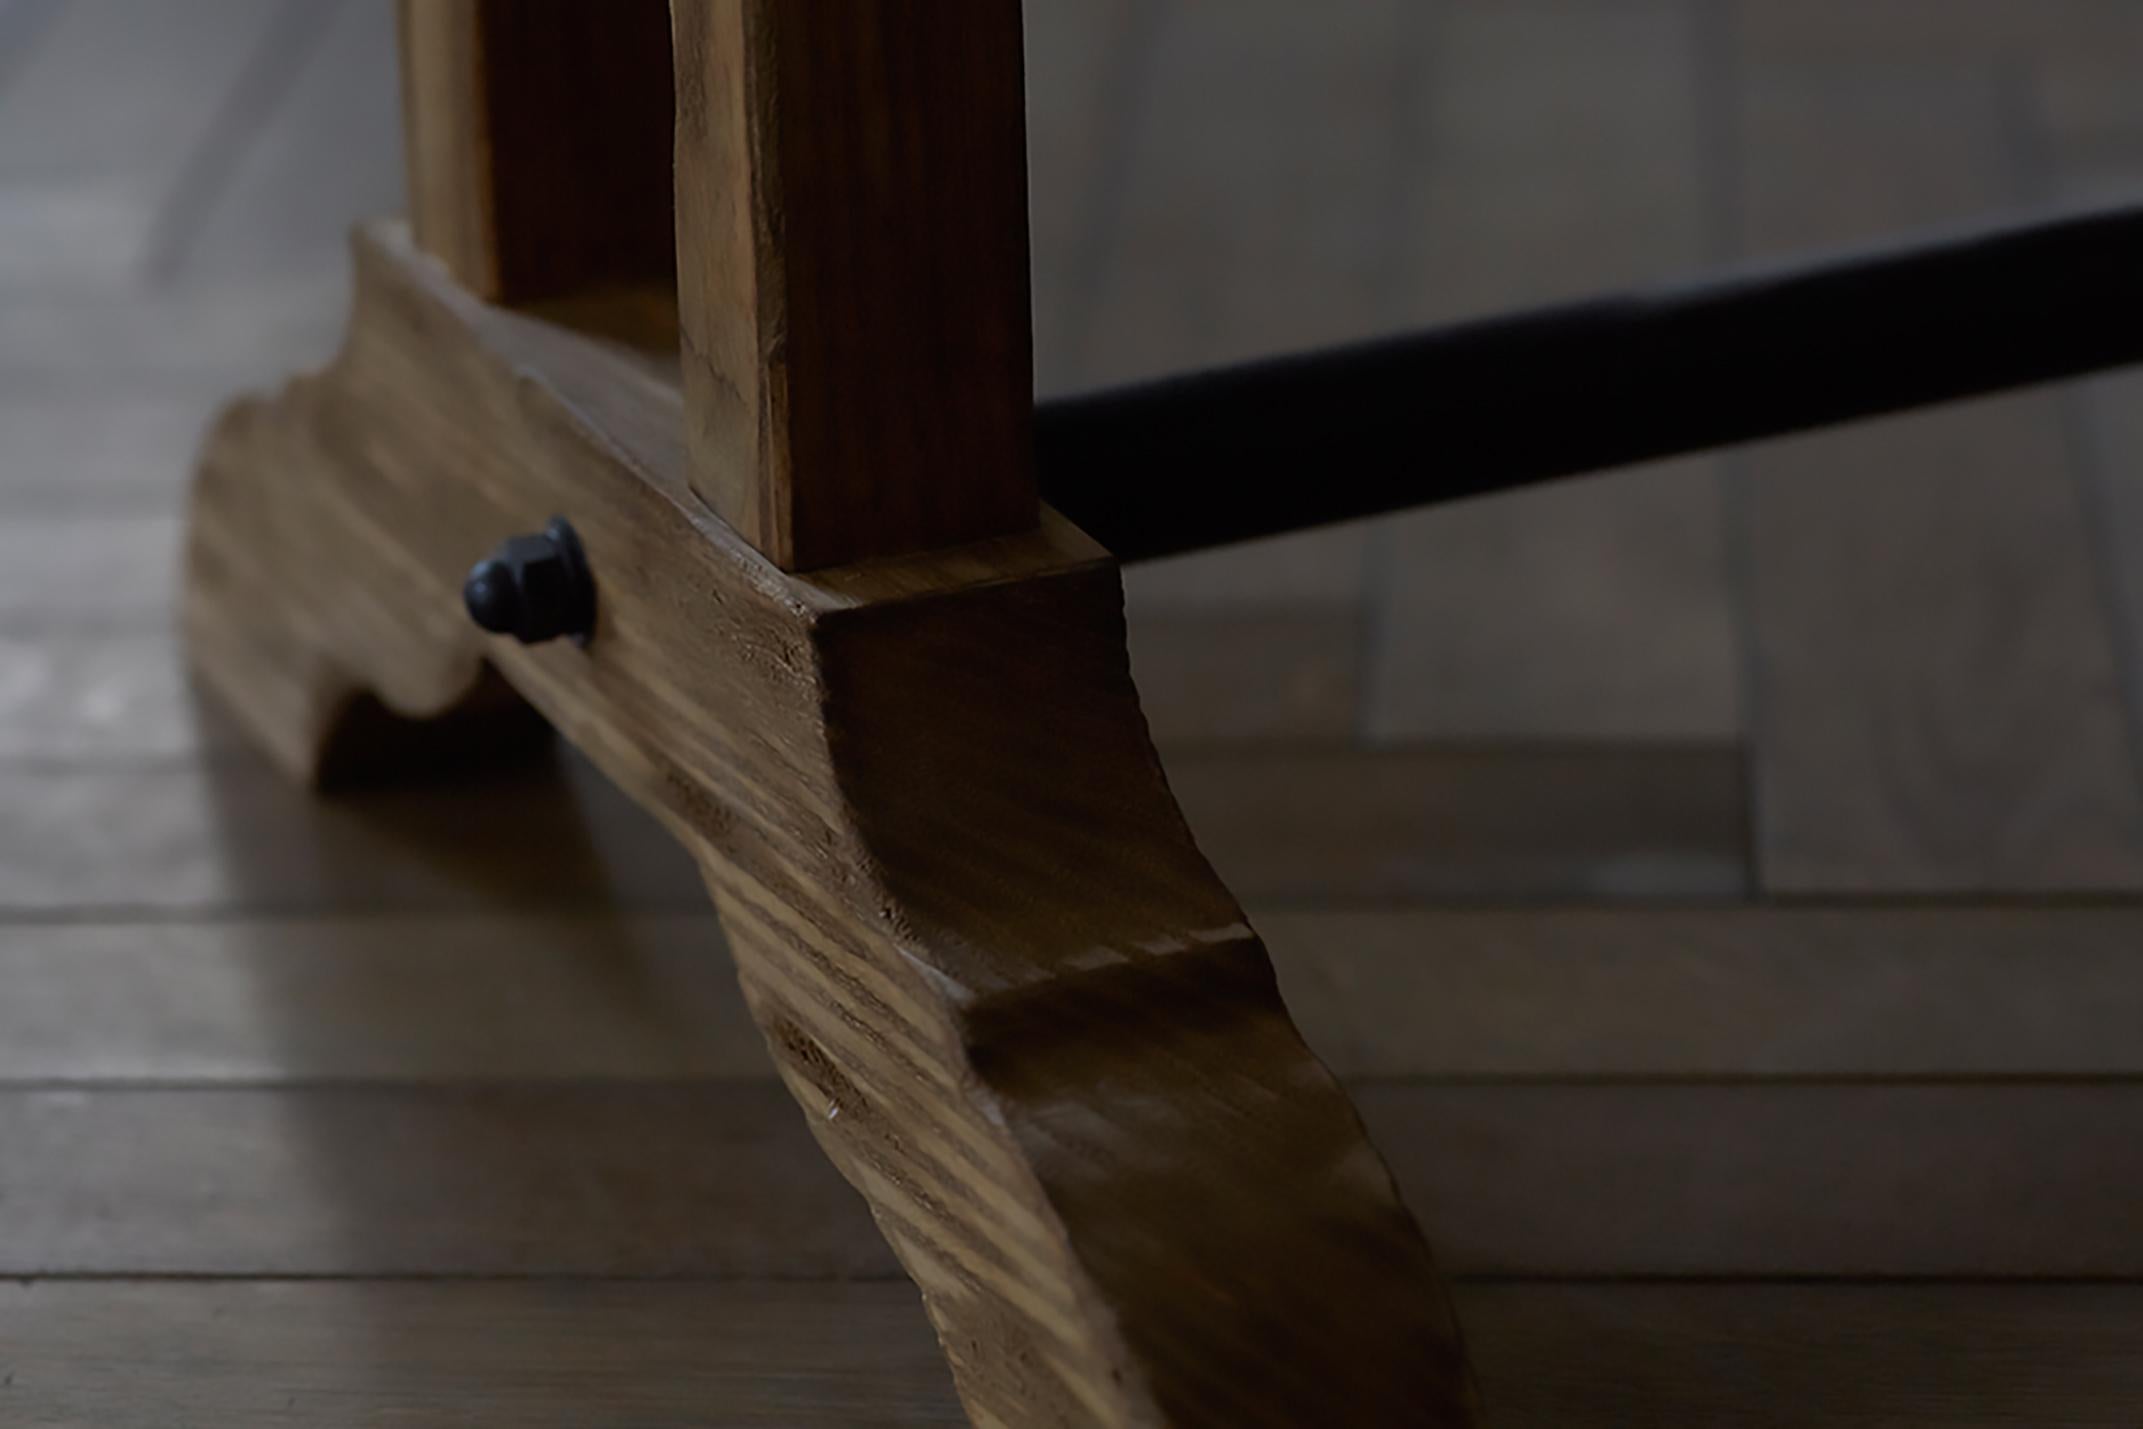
{"x":1017,"y":1008}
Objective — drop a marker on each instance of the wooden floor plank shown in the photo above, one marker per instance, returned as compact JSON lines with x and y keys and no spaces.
{"x":200,"y":343}
{"x":1693,"y":993}
{"x":98,"y":452}
{"x":1255,"y":217}
{"x":1500,"y":994}
{"x":715,"y":1179}
{"x":1558,"y":156}
{"x":208,"y":827}
{"x":188,"y":840}
{"x":1085,"y":62}
{"x":1259,"y":641}
{"x":565,"y":1355}
{"x":116,"y":697}
{"x":1958,"y":1180}
{"x":1292,"y":675}
{"x":1255,"y":214}
{"x":1771,"y":1180}
{"x":1492,"y":823}
{"x":82,"y":177}
{"x":330,"y":158}
{"x":1780,"y":1357}
{"x":2084,"y":137}
{"x":1961,"y":33}
{"x":375,"y":998}
{"x":99,"y":572}
{"x":23,"y":27}
{"x":1939,"y":704}
{"x":536,"y":1356}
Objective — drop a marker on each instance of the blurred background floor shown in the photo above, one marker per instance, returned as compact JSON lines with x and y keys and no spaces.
{"x":1719,"y":881}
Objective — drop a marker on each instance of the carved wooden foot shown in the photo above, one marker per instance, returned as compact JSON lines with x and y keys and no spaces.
{"x":1015,"y":1005}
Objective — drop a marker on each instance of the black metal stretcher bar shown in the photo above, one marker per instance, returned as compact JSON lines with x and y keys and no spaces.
{"x":1270,"y":446}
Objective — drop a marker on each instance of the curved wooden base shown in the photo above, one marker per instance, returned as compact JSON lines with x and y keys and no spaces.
{"x":1018,"y":1009}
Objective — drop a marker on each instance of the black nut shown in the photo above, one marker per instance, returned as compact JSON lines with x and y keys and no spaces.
{"x":534,"y":588}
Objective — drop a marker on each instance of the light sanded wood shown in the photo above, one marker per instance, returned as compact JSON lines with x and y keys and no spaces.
{"x":562,"y":1355}
{"x":1520,"y":993}
{"x":537,"y":143}
{"x":1950,"y":1180}
{"x":853,"y":290}
{"x":1021,"y":1015}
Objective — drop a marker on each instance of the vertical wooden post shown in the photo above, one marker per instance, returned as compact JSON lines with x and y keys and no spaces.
{"x":538,"y":138}
{"x":852,"y":285}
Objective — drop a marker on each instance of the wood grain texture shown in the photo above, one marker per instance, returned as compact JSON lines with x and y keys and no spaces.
{"x":345,"y":1355}
{"x":537,"y":143}
{"x":853,"y":290}
{"x":1021,"y":1015}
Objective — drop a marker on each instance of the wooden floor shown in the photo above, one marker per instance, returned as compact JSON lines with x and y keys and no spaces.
{"x":1722,"y":882}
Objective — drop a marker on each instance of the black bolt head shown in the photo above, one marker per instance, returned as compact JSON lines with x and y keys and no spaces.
{"x":493,"y":597}
{"x":534,"y":588}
